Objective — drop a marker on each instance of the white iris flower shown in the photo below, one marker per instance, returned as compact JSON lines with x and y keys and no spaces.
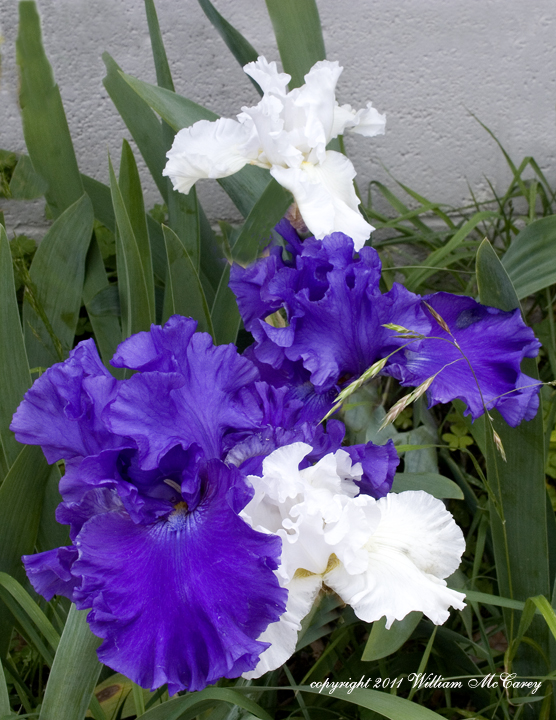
{"x":383,"y":557}
{"x":286,"y":132}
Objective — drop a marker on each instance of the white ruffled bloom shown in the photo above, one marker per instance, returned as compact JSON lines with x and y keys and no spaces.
{"x":286,"y":132}
{"x":383,"y":557}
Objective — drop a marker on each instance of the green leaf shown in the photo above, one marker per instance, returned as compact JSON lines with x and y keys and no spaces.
{"x":13,"y":358}
{"x":436,"y":258}
{"x":132,"y":195}
{"x":21,"y":500}
{"x":51,"y":308}
{"x":51,"y":533}
{"x":142,"y":123}
{"x":183,"y":218}
{"x":383,"y":642}
{"x":298,"y":33}
{"x":530,"y":260}
{"x":254,"y":236}
{"x":44,"y":122}
{"x":177,"y":111}
{"x":240,"y":48}
{"x":245,"y":187}
{"x":391,"y":706}
{"x":137,"y":312}
{"x":106,"y":325}
{"x":4,"y":697}
{"x":31,"y":609}
{"x":163,"y":74}
{"x":183,"y":215}
{"x":212,"y":262}
{"x":74,"y":673}
{"x":495,"y":600}
{"x":26,"y":183}
{"x":518,"y":501}
{"x":173,"y":709}
{"x":437,"y":485}
{"x":99,"y":194}
{"x":184,"y":293}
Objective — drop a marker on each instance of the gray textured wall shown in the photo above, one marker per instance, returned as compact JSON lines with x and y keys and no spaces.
{"x":427,"y":64}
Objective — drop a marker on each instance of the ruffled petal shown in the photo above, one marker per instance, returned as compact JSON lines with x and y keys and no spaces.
{"x":161,"y":348}
{"x":181,"y":601}
{"x":198,"y":402}
{"x":62,"y":411}
{"x":316,"y":100}
{"x":326,"y":197}
{"x":369,"y":122}
{"x":412,"y":545}
{"x":267,"y":77}
{"x":493,"y":341}
{"x":282,"y":635}
{"x":378,"y":464}
{"x":50,"y":572}
{"x":207,"y":150}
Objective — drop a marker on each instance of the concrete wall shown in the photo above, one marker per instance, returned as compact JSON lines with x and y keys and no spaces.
{"x":427,"y":63}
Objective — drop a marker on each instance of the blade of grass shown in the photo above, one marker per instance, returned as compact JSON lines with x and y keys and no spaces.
{"x":31,"y":609}
{"x":132,"y":195}
{"x":140,"y":120}
{"x":173,"y":709}
{"x":108,"y":333}
{"x":183,"y":212}
{"x":4,"y":696}
{"x":99,"y":195}
{"x":436,"y":485}
{"x":390,"y":706}
{"x":417,"y":277}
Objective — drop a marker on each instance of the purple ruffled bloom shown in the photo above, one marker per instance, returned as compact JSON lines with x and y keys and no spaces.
{"x":494,"y":342}
{"x":179,"y":586}
{"x":329,"y":316}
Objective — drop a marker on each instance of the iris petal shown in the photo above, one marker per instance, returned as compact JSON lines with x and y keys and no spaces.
{"x":493,"y":341}
{"x":183,"y":600}
{"x":412,"y":545}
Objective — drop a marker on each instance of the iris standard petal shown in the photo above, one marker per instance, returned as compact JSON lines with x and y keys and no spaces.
{"x":197,"y":403}
{"x":267,"y":77}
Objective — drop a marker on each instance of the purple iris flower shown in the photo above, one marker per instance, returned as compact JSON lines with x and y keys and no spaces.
{"x":491,"y":342}
{"x":178,"y":585}
{"x":316,"y":306}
